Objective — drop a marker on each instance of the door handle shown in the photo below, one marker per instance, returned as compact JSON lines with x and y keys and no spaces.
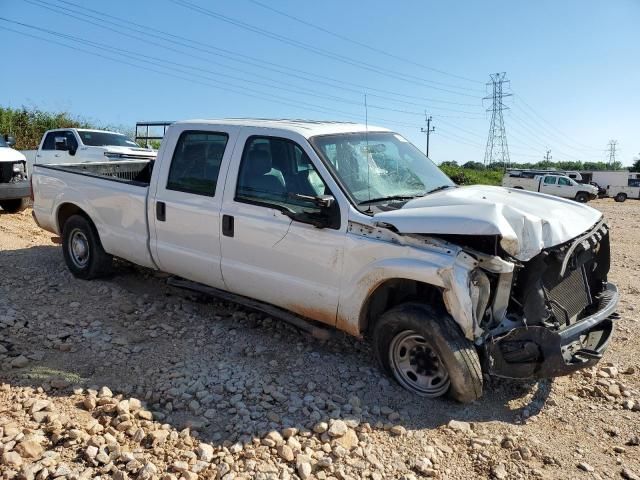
{"x":227,"y":225}
{"x":56,"y":154}
{"x":161,"y":211}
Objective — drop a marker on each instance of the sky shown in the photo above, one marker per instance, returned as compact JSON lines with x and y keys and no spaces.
{"x":572,"y":66}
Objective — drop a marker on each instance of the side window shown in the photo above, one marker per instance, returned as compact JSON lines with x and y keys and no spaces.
{"x":550,"y":180}
{"x":196,"y":162}
{"x":277,"y":172}
{"x":50,"y":141}
{"x":563,"y":181}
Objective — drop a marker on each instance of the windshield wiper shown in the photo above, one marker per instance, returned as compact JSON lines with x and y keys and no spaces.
{"x":392,"y":197}
{"x":441,"y":187}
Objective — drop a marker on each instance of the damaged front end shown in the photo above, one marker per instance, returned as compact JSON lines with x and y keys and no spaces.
{"x":559,"y":314}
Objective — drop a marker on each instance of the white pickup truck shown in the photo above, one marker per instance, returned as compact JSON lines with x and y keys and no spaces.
{"x":552,"y":184}
{"x":333,"y":224}
{"x":76,"y":145}
{"x":14,"y":186}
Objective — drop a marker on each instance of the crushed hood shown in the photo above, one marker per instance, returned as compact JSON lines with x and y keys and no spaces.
{"x":527,"y":222}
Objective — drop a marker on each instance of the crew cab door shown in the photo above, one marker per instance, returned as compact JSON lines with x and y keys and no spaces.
{"x":184,"y":208}
{"x":266,"y":254}
{"x":550,"y":185}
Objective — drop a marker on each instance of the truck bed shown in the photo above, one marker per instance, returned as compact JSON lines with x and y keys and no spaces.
{"x":113,"y":195}
{"x":132,"y":172}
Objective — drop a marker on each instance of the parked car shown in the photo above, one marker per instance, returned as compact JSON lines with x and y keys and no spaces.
{"x":552,"y":184}
{"x":14,"y":186}
{"x":351,"y":227}
{"x":75,"y":145}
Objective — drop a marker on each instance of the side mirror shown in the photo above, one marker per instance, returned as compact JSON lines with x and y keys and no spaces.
{"x":320,"y":201}
{"x":72,"y":150}
{"x":11,"y":141}
{"x":61,"y":144}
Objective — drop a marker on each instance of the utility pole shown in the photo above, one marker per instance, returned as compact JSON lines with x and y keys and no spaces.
{"x":548,"y":156}
{"x":429,"y":130}
{"x":612,"y":152}
{"x":497,"y":149}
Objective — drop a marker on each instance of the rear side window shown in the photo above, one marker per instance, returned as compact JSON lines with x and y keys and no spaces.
{"x":196,"y":162}
{"x":550,"y":180}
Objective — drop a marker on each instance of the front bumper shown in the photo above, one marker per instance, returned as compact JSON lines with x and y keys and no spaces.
{"x":9,"y":191}
{"x":538,"y":352}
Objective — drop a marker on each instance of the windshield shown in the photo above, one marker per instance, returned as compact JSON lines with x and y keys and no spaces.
{"x":380,"y":166}
{"x":100,"y":139}
{"x":2,"y":142}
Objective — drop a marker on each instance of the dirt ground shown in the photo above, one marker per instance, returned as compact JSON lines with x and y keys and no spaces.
{"x":226,"y":393}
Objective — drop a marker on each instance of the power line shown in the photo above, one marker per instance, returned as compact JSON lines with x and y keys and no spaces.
{"x":519,"y":97}
{"x":161,"y":62}
{"x":361,"y":44}
{"x":229,"y":55}
{"x":322,"y":52}
{"x":497,"y":148}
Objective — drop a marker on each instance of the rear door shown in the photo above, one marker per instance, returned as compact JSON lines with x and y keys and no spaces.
{"x":550,"y":185}
{"x":185,"y":237}
{"x":266,"y":254}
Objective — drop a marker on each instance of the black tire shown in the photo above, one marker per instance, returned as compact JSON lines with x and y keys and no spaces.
{"x":14,"y":205}
{"x":441,"y":336}
{"x":582,"y":197}
{"x":621,"y":197}
{"x":82,"y":250}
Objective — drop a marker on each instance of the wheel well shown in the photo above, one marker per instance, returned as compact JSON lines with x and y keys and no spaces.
{"x":65,"y":211}
{"x":393,"y":292}
{"x":582,"y":191}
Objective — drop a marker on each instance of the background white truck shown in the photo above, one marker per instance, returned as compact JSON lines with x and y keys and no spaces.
{"x":340,"y":225}
{"x":552,"y":184}
{"x":77,"y":145}
{"x":14,"y":186}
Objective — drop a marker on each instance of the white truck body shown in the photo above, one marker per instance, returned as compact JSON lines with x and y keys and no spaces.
{"x":347,"y":256}
{"x":552,"y":184}
{"x":79,"y":145}
{"x":14,"y":186}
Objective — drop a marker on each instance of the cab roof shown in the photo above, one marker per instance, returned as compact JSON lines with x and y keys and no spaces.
{"x":306,"y":128}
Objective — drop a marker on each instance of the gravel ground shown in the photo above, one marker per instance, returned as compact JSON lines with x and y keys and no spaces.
{"x":128,"y":377}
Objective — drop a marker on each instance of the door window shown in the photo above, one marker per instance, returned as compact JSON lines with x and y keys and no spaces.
{"x":563,"y":181}
{"x":278,"y":173}
{"x":196,"y":162}
{"x":550,"y":180}
{"x":50,"y":141}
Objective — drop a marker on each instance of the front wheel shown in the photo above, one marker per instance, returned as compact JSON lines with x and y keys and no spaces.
{"x":82,"y":250}
{"x":621,"y":197}
{"x":13,"y":205}
{"x":582,"y":197}
{"x":426,"y":353}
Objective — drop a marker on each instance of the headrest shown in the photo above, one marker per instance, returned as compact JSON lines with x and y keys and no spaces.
{"x":259,"y":162}
{"x":194,"y":151}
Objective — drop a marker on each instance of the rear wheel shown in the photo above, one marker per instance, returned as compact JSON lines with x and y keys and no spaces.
{"x":14,"y":205}
{"x":424,"y":350}
{"x":620,"y":197}
{"x":582,"y":197}
{"x":82,"y":250}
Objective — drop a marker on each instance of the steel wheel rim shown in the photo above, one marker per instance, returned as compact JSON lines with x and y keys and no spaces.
{"x":417,"y":366}
{"x":78,"y":248}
